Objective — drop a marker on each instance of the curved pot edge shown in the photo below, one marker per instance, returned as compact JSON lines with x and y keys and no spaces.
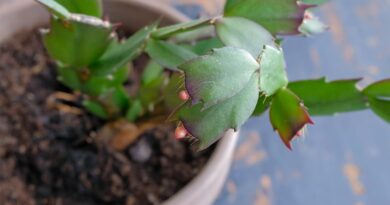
{"x":206,"y":186}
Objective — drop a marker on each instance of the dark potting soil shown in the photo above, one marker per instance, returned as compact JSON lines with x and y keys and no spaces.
{"x":47,"y":152}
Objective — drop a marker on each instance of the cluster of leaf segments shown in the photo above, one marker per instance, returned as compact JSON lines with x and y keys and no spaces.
{"x":233,"y":68}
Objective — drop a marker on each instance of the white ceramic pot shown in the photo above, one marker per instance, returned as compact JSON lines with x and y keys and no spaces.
{"x":23,"y":15}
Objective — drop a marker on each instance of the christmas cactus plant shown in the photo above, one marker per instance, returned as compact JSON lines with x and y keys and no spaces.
{"x":211,"y":74}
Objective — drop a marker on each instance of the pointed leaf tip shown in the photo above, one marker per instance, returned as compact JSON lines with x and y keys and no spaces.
{"x":288,"y":145}
{"x":87,"y":7}
{"x":288,"y":116}
{"x":55,"y":8}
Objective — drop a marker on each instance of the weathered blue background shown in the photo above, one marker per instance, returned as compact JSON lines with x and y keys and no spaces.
{"x":342,"y":160}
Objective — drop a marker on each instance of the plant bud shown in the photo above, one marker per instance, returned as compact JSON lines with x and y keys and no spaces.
{"x":183,"y":95}
{"x":180,"y":132}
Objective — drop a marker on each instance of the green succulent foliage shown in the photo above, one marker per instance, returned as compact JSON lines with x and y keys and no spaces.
{"x":69,"y":77}
{"x":119,"y":54}
{"x":115,"y":101}
{"x":167,"y":54}
{"x":152,"y":71}
{"x":208,"y":125}
{"x":135,"y":110}
{"x":58,"y":10}
{"x":329,"y":98}
{"x":224,"y":87}
{"x":273,"y":75}
{"x":380,"y":107}
{"x":120,"y":76}
{"x":380,"y":89}
{"x":112,"y":97}
{"x":76,"y":41}
{"x":151,"y":93}
{"x":97,"y":84}
{"x":201,"y":47}
{"x":277,"y":16}
{"x":243,"y":33}
{"x":153,"y":84}
{"x":262,"y":105}
{"x":87,"y":7}
{"x":215,"y":77}
{"x":215,"y":83}
{"x":378,"y":95}
{"x":171,"y":93}
{"x":288,"y":115}
{"x":195,"y":35}
{"x":83,"y":46}
{"x":95,"y":108}
{"x":169,"y":31}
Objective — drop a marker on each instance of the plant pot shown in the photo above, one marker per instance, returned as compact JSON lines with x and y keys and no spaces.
{"x":24,"y":15}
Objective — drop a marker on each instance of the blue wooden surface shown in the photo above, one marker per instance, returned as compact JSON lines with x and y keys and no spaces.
{"x":343,"y":159}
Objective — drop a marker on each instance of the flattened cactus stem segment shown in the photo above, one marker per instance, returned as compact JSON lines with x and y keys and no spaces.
{"x":87,"y":7}
{"x":55,"y":8}
{"x":243,"y":75}
{"x":288,"y":115}
{"x":281,"y":17}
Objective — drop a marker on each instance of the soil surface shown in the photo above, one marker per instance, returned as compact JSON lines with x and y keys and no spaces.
{"x":47,"y":151}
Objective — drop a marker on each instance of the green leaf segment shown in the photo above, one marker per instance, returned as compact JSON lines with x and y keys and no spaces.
{"x":253,"y":39}
{"x":288,"y":115}
{"x":215,"y":77}
{"x":330,"y":98}
{"x":278,"y":17}
{"x":378,"y":96}
{"x":224,"y":87}
{"x":234,"y":72}
{"x":90,"y":58}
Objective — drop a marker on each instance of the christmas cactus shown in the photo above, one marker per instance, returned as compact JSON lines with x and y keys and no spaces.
{"x":211,"y":74}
